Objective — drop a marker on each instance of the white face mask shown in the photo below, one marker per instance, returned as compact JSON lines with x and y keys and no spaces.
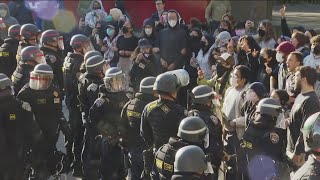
{"x":148,"y":31}
{"x":252,"y":96}
{"x":233,"y":82}
{"x":3,"y":13}
{"x":279,"y":57}
{"x":172,"y":23}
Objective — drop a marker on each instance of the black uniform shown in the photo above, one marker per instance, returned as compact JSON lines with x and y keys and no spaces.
{"x":132,"y":113}
{"x":149,"y":66}
{"x":160,"y":121}
{"x":8,"y":52}
{"x":47,"y":108}
{"x":19,"y":132}
{"x":71,"y":74}
{"x":55,"y":60}
{"x":104,"y":115}
{"x":263,"y":151}
{"x":215,"y":149}
{"x":21,"y":76}
{"x":310,"y":170}
{"x":22,"y":44}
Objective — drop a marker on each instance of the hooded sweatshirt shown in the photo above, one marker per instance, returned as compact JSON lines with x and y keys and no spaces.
{"x":91,"y":17}
{"x":8,"y":20}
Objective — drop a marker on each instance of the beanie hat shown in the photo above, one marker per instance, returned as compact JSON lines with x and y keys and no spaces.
{"x":259,"y":89}
{"x":286,"y":47}
{"x":149,"y":22}
{"x":224,"y":36}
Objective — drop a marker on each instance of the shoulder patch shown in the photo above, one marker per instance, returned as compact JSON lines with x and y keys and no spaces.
{"x":99,"y":102}
{"x":26,"y":106}
{"x":214,"y":119}
{"x":55,"y":94}
{"x":165,"y":109}
{"x":92,"y":87}
{"x":52,"y":58}
{"x":152,"y":105}
{"x":274,"y":137}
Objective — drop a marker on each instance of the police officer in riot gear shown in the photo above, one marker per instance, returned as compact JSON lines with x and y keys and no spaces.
{"x":88,"y":55}
{"x":8,"y":51}
{"x":105,"y":118}
{"x":160,"y":119}
{"x":191,"y":131}
{"x":46,"y":103}
{"x":132,"y":113}
{"x":29,"y":37}
{"x":30,"y":57}
{"x":311,"y":136}
{"x":190,"y":162}
{"x":263,"y":146}
{"x":71,"y":66}
{"x":19,"y":132}
{"x":202,"y":106}
{"x":89,"y":89}
{"x":52,"y":47}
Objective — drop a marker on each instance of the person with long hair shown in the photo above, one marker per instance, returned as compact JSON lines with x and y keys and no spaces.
{"x":265,"y":37}
{"x":301,"y":43}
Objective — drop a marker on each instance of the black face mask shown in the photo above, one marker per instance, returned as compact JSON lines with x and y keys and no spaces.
{"x":261,"y":32}
{"x":125,"y":29}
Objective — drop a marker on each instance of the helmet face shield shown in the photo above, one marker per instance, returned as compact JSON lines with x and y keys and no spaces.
{"x":40,"y":81}
{"x":115,"y":83}
{"x":206,"y":139}
{"x":39,"y":58}
{"x":60,"y":42}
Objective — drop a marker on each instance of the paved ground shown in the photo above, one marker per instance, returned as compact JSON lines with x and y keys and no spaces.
{"x":305,"y":15}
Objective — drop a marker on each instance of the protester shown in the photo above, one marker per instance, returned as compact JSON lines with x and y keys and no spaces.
{"x":265,"y":36}
{"x":6,"y":20}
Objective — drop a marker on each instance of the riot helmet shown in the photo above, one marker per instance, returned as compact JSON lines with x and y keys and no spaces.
{"x":5,"y":82}
{"x":82,"y":42}
{"x":190,"y":159}
{"x":90,"y":54}
{"x":146,"y":85}
{"x":41,"y":77}
{"x":115,"y":80}
{"x":96,"y":64}
{"x":166,"y":83}
{"x":29,"y":32}
{"x":32,"y":53}
{"x":182,"y":75}
{"x":14,"y":30}
{"x":269,"y":106}
{"x":202,"y":94}
{"x":52,"y":36}
{"x":311,"y":134}
{"x":194,"y":130}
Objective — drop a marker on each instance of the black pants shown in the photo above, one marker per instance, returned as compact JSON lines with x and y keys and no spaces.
{"x":231,"y":149}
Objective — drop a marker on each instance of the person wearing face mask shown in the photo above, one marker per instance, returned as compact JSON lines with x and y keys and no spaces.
{"x":30,"y":57}
{"x":52,"y":47}
{"x":255,"y":92}
{"x":71,"y":72}
{"x":265,"y":37}
{"x":149,"y":31}
{"x":239,"y":29}
{"x":7,"y":20}
{"x":306,"y":104}
{"x":202,"y":60}
{"x":233,"y":100}
{"x":144,"y":64}
{"x":262,"y":152}
{"x":162,"y":21}
{"x":268,"y":67}
{"x":283,"y":51}
{"x":45,"y":100}
{"x":172,"y":43}
{"x":96,"y":14}
{"x":8,"y":51}
{"x":110,"y":42}
{"x":313,"y":60}
{"x":126,"y":44}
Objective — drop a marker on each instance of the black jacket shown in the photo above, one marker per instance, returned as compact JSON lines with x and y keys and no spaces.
{"x":8,"y":52}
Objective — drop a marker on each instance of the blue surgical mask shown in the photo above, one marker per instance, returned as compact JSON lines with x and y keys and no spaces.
{"x":110,"y":32}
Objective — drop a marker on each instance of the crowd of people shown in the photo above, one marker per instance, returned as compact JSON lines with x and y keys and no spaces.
{"x":221,"y":99}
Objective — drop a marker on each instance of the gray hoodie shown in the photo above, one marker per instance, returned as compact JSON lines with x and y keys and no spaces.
{"x":91,"y":17}
{"x":8,"y":20}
